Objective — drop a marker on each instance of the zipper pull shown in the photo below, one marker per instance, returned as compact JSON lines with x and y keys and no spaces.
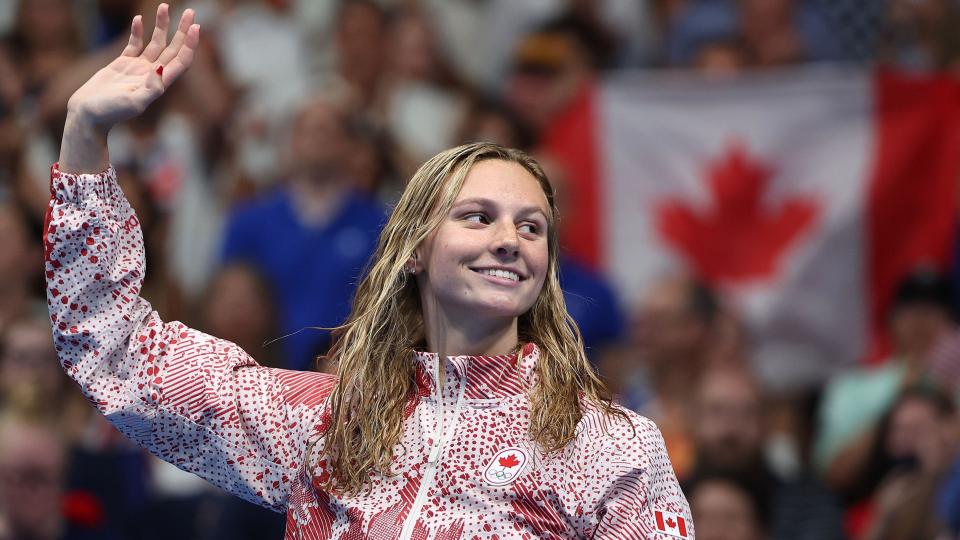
{"x":435,"y":452}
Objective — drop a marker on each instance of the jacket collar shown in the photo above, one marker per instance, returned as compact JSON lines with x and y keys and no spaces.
{"x":486,"y":377}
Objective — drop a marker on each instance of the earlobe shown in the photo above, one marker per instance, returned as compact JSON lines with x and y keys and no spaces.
{"x":411,"y":267}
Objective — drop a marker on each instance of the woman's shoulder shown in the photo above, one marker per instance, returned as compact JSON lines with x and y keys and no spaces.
{"x":618,"y":430}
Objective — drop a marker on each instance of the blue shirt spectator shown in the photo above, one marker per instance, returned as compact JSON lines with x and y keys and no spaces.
{"x":591,"y":302}
{"x":313,"y":269}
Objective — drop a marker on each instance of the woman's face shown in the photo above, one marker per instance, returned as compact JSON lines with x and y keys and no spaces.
{"x":489,"y":257}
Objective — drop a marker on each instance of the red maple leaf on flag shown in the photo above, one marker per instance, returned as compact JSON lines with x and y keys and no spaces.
{"x":738,"y":237}
{"x":509,"y":461}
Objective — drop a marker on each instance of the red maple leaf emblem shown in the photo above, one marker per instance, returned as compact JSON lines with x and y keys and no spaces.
{"x":509,"y":461}
{"x":671,"y":523}
{"x":738,"y":237}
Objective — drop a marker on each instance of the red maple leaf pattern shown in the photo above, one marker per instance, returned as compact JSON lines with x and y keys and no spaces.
{"x":509,"y":461}
{"x":671,"y":523}
{"x":738,"y":238}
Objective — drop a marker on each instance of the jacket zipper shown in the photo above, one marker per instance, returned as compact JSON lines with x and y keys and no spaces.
{"x":433,"y":460}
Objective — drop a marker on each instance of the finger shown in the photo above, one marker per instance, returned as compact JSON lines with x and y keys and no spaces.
{"x":171,"y":51}
{"x":135,"y":43}
{"x":152,"y":89}
{"x":184,"y":57}
{"x":159,"y":39}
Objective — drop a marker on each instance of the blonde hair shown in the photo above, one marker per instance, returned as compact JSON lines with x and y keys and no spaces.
{"x":374,"y":348}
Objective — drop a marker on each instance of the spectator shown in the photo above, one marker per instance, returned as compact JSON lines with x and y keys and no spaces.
{"x":421,"y":96}
{"x":730,"y":433}
{"x":921,"y":35}
{"x":238,"y":307}
{"x":726,"y":507}
{"x":701,"y":31}
{"x":360,"y":47}
{"x":104,"y":480}
{"x":670,"y":344}
{"x":551,"y":67}
{"x":920,"y":440}
{"x":34,"y":504}
{"x":20,"y":264}
{"x":39,"y":55}
{"x":328,"y":227}
{"x":490,"y":120}
{"x":854,"y":402}
{"x":30,"y":376}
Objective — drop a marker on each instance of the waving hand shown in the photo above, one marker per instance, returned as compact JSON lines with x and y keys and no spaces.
{"x":125,"y":88}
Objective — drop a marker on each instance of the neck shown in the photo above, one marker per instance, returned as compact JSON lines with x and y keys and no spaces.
{"x":464,"y":336}
{"x":316,"y":201}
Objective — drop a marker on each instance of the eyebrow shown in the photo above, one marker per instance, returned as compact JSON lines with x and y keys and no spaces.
{"x":488,"y":202}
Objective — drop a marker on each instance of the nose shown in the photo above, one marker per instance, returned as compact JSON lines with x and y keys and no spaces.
{"x":506,"y":243}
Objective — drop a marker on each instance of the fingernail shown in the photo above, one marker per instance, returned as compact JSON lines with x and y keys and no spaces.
{"x":160,"y":70}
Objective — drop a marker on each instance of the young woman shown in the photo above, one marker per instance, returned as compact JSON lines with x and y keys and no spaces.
{"x":464,"y":406}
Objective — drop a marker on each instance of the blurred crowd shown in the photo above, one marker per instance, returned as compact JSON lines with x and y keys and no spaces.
{"x":261,"y":180}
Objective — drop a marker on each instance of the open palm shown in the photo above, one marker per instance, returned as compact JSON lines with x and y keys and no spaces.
{"x":125,"y":87}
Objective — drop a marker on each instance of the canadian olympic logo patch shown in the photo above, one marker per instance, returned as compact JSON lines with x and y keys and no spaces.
{"x":505,"y":467}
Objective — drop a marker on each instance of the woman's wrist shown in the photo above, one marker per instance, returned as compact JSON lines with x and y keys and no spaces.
{"x":84,"y":145}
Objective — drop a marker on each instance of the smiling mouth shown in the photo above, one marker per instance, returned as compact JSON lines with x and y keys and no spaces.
{"x":503,"y":274}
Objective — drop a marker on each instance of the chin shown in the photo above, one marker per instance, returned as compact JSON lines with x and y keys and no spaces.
{"x":500,"y":309}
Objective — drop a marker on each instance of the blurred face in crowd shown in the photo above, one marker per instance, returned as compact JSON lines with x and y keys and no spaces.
{"x":54,"y":17}
{"x":919,"y":431}
{"x":923,"y":16}
{"x":666,"y":328}
{"x":18,"y":249}
{"x":32,"y":463}
{"x":729,"y":422}
{"x":915,"y":329}
{"x":239,"y":308}
{"x":360,"y":42}
{"x":550,"y":70}
{"x":28,"y":361}
{"x":412,"y":47}
{"x":720,"y":59}
{"x":722,"y":511}
{"x":769,"y":33}
{"x":320,"y":143}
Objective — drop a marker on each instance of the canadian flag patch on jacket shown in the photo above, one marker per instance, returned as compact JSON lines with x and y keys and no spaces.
{"x":672,"y":524}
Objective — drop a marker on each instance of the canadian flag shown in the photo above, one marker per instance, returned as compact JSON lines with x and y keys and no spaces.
{"x":804,"y":196}
{"x":670,"y":523}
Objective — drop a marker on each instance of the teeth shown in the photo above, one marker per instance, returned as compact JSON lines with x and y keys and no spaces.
{"x":501,"y":274}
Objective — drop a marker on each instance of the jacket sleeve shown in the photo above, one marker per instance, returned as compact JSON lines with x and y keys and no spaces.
{"x":198,"y":402}
{"x":643,"y":499}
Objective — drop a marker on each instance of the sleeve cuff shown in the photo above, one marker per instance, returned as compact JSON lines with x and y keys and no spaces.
{"x":77,"y":188}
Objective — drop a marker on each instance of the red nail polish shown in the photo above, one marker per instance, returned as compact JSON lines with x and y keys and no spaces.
{"x":160,"y":70}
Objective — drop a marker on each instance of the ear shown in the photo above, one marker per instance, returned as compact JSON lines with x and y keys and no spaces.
{"x":412,"y":266}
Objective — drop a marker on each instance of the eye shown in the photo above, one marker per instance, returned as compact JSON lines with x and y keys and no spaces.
{"x":530,"y":228}
{"x":477,"y":217}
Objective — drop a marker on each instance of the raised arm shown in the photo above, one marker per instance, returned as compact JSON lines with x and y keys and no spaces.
{"x":199,"y":402}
